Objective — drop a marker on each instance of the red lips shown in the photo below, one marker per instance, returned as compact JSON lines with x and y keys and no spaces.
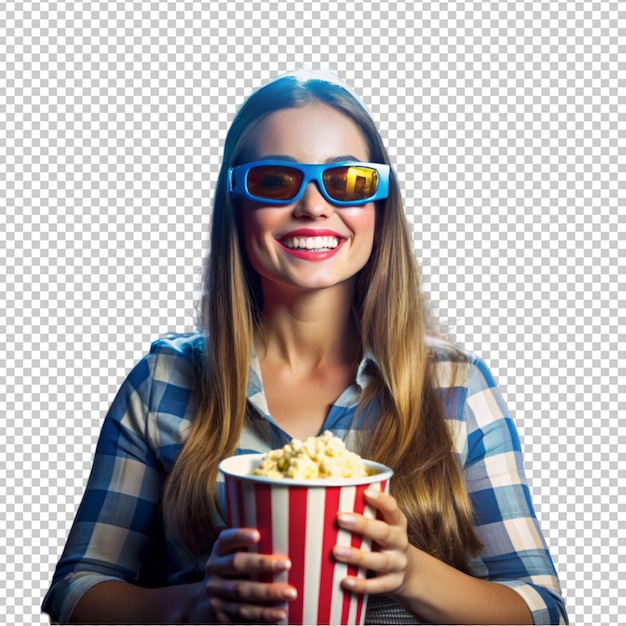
{"x":312,"y":254}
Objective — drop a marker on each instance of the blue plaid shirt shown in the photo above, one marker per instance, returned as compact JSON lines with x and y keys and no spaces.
{"x":115,"y":537}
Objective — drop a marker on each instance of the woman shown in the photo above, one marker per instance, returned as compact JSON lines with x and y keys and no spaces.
{"x":312,"y":320}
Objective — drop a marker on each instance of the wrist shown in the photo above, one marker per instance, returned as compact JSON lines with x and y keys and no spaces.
{"x":180,"y":604}
{"x":437,"y":593}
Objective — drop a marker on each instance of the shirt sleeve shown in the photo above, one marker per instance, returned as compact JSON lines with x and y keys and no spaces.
{"x":117,"y":516}
{"x":515,"y":553}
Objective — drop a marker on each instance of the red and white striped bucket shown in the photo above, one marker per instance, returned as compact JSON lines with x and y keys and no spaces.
{"x":297,"y":518}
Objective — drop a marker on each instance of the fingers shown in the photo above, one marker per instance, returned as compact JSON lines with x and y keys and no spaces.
{"x":246,"y":563}
{"x":390,"y":560}
{"x":388,"y":507}
{"x":389,"y":565}
{"x":231,"y":539}
{"x":235,"y":613}
{"x":234,"y":597}
{"x":385,"y":583}
{"x":229,"y":556}
{"x":376,"y":561}
{"x":236,"y":601}
{"x":244,"y":591}
{"x":388,"y":533}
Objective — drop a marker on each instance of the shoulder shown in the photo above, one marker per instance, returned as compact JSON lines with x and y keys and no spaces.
{"x":167,"y":374}
{"x":453,"y":366}
{"x":473,"y":401}
{"x":188,"y":346}
{"x":172,"y":364}
{"x":169,"y":399}
{"x":176,"y":358}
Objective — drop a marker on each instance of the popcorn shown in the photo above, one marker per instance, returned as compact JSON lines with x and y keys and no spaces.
{"x":325,"y":456}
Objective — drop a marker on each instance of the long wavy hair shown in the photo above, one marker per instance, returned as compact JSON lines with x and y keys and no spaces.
{"x":409,"y":432}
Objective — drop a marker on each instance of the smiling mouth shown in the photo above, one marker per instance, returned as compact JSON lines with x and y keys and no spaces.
{"x":310,"y":243}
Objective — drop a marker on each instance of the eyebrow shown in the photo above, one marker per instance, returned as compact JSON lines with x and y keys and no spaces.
{"x":286,"y":157}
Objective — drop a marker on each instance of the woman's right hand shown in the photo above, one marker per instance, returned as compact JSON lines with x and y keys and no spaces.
{"x":228,"y":595}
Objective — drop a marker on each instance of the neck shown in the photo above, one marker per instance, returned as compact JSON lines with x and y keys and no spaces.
{"x":306,"y":330}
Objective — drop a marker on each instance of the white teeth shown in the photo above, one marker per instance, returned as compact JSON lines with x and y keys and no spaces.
{"x":311,"y":243}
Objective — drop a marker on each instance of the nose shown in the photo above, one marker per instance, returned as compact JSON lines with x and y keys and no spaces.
{"x":313,"y":204}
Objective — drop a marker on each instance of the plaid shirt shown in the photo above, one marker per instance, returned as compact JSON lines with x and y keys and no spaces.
{"x":117,"y":533}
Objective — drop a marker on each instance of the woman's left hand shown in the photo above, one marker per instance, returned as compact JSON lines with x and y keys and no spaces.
{"x":391,"y":559}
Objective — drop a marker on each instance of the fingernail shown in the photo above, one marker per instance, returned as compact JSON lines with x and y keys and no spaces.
{"x":342,"y":552}
{"x":280,"y":565}
{"x":347,"y":519}
{"x":348,"y":582}
{"x":251,"y":535}
{"x":289,"y":593}
{"x":371,"y":493}
{"x":277,"y":615}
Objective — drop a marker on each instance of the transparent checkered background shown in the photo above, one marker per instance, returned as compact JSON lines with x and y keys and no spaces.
{"x":507,"y":125}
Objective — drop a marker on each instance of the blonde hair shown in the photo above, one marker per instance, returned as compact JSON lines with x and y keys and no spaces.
{"x":408,"y":427}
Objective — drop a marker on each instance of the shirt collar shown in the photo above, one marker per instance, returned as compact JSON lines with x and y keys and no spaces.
{"x":256,"y":394}
{"x":363,"y":374}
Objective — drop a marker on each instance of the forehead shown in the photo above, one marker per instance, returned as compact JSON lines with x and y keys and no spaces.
{"x":315,"y":133}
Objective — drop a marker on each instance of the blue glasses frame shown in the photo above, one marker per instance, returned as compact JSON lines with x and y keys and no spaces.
{"x":238,"y":178}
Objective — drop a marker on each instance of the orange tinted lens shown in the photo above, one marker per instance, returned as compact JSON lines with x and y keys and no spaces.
{"x":275,"y":182}
{"x":351,"y":182}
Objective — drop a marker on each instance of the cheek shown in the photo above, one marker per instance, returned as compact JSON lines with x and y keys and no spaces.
{"x":252,"y":223}
{"x":364,"y":224}
{"x":257,"y":232}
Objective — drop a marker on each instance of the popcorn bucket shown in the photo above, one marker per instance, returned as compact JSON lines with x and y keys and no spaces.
{"x":297,"y":518}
